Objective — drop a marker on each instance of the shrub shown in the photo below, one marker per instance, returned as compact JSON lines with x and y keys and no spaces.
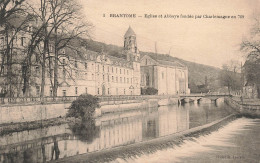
{"x":149,"y":91}
{"x":83,"y":107}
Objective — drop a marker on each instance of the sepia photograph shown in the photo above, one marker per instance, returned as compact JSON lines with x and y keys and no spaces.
{"x":129,"y":81}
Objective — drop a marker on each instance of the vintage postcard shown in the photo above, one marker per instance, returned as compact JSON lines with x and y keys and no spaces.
{"x":135,"y":81}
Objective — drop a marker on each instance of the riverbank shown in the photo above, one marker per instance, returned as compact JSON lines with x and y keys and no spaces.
{"x":23,"y":126}
{"x":244,"y":108}
{"x":149,"y":145}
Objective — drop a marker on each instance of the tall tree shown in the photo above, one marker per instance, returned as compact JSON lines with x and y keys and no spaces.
{"x":230,"y":76}
{"x":251,"y":47}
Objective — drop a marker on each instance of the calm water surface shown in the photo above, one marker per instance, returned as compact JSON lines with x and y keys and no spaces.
{"x":125,"y":128}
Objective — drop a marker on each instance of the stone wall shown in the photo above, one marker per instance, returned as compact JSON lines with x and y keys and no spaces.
{"x":28,"y":113}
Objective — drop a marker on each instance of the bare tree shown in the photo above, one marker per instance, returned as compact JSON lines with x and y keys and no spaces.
{"x":251,"y":47}
{"x":230,"y":76}
{"x":67,"y":25}
{"x":8,"y":8}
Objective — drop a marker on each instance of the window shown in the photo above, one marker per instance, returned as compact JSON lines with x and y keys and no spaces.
{"x":131,"y":80}
{"x":124,"y":79}
{"x":120,"y":79}
{"x":127,"y":80}
{"x":108,"y":69}
{"x":98,"y":91}
{"x":108,"y":78}
{"x":103,"y":68}
{"x":76,"y":64}
{"x":64,"y":93}
{"x":112,"y":70}
{"x":86,"y":65}
{"x":103,"y":77}
{"x":116,"y":70}
{"x":2,"y":41}
{"x":50,"y":91}
{"x":92,"y":76}
{"x":86,"y":75}
{"x":127,"y":72}
{"x":116,"y":79}
{"x":37,"y":70}
{"x":108,"y":91}
{"x":86,"y":90}
{"x":124,"y":71}
{"x":76,"y":90}
{"x":112,"y":78}
{"x":23,"y":41}
{"x":162,"y":75}
{"x":120,"y":70}
{"x":50,"y":48}
{"x":37,"y":90}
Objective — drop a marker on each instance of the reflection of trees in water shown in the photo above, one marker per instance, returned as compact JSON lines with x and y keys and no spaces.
{"x":86,"y":130}
{"x":55,"y":149}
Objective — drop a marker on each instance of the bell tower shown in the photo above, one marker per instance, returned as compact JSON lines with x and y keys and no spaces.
{"x":133,"y":56}
{"x":130,"y":45}
{"x":130,"y":41}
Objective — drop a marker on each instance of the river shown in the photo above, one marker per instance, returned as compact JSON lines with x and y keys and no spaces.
{"x":238,"y":141}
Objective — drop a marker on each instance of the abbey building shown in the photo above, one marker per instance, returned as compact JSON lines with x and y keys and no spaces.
{"x":84,"y":71}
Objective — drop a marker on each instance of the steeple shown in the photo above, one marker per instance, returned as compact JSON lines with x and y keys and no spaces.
{"x":130,"y":41}
{"x":130,"y":32}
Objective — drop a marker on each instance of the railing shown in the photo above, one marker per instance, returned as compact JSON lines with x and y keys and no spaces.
{"x":133,"y":97}
{"x":35,"y":100}
{"x":38,"y":100}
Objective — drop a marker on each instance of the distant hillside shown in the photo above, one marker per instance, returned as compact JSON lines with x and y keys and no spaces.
{"x":199,"y":75}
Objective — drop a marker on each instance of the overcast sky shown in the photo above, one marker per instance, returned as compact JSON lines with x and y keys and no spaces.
{"x":207,"y":41}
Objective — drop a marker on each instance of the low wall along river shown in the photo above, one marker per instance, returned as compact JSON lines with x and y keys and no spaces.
{"x":35,"y":112}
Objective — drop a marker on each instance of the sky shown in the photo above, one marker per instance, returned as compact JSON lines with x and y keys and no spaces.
{"x":210,"y":41}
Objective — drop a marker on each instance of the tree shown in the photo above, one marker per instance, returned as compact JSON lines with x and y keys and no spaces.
{"x":230,"y":77}
{"x":60,"y":24}
{"x":9,"y":8}
{"x":251,"y":47}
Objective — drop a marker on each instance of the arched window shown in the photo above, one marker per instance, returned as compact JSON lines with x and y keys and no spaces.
{"x":147,"y":79}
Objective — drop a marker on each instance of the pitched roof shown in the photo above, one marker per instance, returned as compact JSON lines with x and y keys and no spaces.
{"x":130,"y":32}
{"x":167,"y":63}
{"x":170,"y":63}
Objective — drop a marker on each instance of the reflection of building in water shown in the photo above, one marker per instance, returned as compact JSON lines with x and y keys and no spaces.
{"x":115,"y":130}
{"x":167,"y":120}
{"x":173,"y":120}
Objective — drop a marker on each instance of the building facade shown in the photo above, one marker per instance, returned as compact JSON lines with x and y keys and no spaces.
{"x":84,"y":71}
{"x":79,"y":70}
{"x":169,"y":78}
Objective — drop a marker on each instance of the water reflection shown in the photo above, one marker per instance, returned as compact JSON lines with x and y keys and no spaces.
{"x":108,"y":131}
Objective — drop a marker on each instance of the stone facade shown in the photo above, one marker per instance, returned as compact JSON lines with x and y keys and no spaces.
{"x":169,"y":78}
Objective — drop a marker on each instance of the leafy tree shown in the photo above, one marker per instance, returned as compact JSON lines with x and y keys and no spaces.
{"x":83,"y":107}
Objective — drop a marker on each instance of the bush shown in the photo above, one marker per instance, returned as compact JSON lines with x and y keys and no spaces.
{"x":83,"y":107}
{"x":149,"y":91}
